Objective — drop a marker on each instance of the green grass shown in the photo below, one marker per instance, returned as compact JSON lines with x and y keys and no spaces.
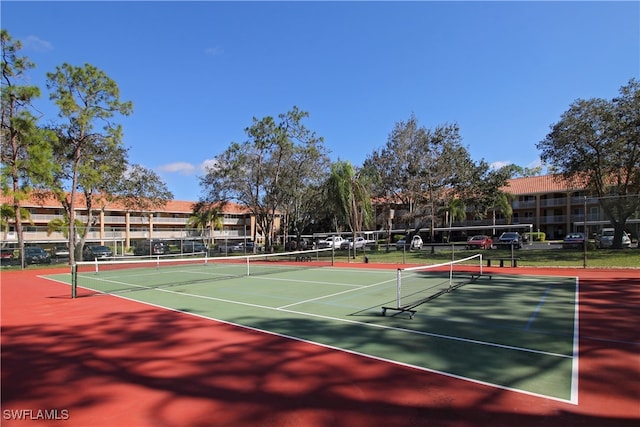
{"x":606,"y":258}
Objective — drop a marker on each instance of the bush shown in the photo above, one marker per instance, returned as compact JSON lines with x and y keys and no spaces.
{"x":536,"y":236}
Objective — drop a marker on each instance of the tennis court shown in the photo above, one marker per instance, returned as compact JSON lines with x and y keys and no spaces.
{"x":511,"y":332}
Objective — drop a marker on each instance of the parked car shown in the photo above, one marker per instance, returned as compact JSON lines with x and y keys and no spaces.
{"x":230,"y":247}
{"x":346,"y":244}
{"x":479,"y":241}
{"x":573,"y":240}
{"x":509,"y":239}
{"x":331,"y":242}
{"x":604,"y":238}
{"x":360,"y":243}
{"x":247,"y":247}
{"x":151,"y":247}
{"x":60,"y":252}
{"x":7,"y":257}
{"x":36,"y":255}
{"x":415,"y":243}
{"x":190,"y":247}
{"x":93,"y":252}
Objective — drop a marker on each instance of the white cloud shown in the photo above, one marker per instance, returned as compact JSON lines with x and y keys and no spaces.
{"x":212,"y":51}
{"x":535,"y":163}
{"x":499,"y":164}
{"x":36,"y":44}
{"x":207,"y":164}
{"x":182,"y":168}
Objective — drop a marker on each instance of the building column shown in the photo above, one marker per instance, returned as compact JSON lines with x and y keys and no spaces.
{"x":127,"y":229}
{"x":102,"y":235}
{"x":538,"y":222}
{"x":567,"y":220}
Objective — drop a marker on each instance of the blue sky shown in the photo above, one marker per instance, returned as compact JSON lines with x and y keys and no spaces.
{"x":198,"y":72}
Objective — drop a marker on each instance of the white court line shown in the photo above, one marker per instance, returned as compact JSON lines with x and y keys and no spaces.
{"x":576,"y":347}
{"x":335,"y":294}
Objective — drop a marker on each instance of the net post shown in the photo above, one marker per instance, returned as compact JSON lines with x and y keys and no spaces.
{"x":399,"y":288}
{"x":450,"y":275}
{"x":74,"y":280}
{"x":248,"y":272}
{"x":481,"y":264}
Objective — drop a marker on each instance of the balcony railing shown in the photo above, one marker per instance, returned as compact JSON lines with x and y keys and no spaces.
{"x":523,"y":204}
{"x":560,"y":201}
{"x":41,"y":219}
{"x":553,"y":219}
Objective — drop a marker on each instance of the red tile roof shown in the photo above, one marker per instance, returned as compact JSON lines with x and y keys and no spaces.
{"x":517,"y":186}
{"x":176,"y":206}
{"x":540,"y":184}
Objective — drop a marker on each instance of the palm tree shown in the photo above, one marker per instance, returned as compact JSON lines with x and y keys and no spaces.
{"x":7,"y":213}
{"x":348,"y":194}
{"x":454,"y":211}
{"x":61,"y":225}
{"x":503,"y":205}
{"x":205,"y":216}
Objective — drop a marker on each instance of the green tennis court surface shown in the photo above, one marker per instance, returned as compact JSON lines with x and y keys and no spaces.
{"x":512,"y":332}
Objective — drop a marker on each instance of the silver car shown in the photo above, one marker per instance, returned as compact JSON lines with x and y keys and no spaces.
{"x":604,"y":238}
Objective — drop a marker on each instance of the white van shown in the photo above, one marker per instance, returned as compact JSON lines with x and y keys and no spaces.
{"x":331,"y":242}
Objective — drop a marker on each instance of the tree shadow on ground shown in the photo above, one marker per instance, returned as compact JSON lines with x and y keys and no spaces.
{"x":258,"y":379}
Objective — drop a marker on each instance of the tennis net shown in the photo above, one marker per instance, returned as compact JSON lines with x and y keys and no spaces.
{"x":130,"y":273}
{"x":418,"y":285}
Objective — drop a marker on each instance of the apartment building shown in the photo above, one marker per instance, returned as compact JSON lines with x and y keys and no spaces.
{"x":117,"y":227}
{"x":550,"y":205}
{"x":555,"y":207}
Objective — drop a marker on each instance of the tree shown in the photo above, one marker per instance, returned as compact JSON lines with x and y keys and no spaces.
{"x":61,"y":225}
{"x":7,"y":214}
{"x":348,"y":196}
{"x":519,"y":171}
{"x":396,"y":167}
{"x":26,"y":150}
{"x":90,"y":152}
{"x":596,"y":143}
{"x":302,"y":184}
{"x":264,"y":173}
{"x":418,"y":168}
{"x":206,"y":216}
{"x":139,"y":189}
{"x":454,"y":210}
{"x":480,"y":186}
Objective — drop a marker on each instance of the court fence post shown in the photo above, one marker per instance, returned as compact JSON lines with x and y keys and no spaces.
{"x":399,"y":287}
{"x":74,"y":280}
